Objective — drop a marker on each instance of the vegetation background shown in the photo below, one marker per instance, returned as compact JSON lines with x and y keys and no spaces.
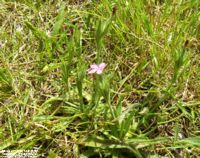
{"x":146,"y":102}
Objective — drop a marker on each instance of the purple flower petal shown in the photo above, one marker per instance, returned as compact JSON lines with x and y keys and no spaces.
{"x":94,"y":68}
{"x":99,"y":71}
{"x":91,"y":71}
{"x":102,"y":66}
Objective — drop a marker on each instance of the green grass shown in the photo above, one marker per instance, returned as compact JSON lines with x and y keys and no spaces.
{"x":146,"y":103}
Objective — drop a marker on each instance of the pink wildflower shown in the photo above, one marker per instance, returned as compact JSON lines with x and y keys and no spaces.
{"x":98,"y":69}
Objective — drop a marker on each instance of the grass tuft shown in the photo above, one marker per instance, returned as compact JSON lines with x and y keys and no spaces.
{"x":144,"y":103}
